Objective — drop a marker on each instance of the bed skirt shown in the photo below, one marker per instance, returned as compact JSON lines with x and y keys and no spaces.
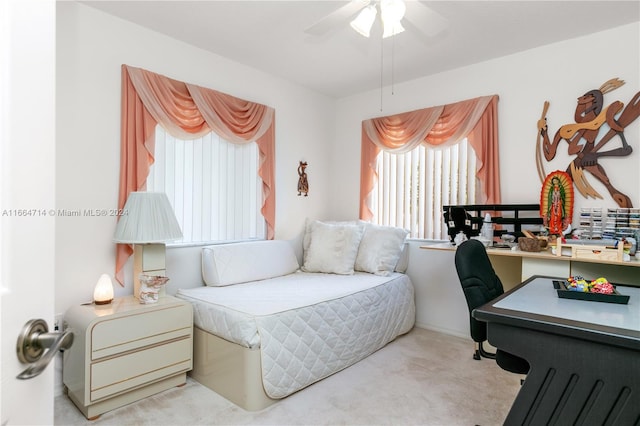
{"x":231,"y":370}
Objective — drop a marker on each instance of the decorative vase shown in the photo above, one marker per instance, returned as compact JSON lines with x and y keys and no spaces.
{"x":150,"y":287}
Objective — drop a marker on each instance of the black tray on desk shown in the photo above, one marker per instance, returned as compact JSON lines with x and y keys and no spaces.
{"x":615,"y":297}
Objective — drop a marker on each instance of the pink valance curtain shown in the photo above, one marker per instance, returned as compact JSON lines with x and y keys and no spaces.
{"x":186,"y":111}
{"x":476,"y":119}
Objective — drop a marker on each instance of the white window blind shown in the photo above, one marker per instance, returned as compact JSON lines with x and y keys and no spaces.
{"x":213,"y":186}
{"x":412,"y":187}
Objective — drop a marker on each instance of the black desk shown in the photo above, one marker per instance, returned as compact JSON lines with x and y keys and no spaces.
{"x":584,"y":356}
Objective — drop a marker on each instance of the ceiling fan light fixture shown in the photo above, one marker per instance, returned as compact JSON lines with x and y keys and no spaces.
{"x":364,"y":21}
{"x":392,"y":28}
{"x":392,"y":12}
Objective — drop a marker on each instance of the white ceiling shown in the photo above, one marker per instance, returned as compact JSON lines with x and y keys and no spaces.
{"x":270,"y":35}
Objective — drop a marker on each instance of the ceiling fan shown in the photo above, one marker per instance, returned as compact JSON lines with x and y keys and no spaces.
{"x":392,"y":13}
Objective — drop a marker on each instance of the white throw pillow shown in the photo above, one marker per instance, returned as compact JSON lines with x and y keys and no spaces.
{"x":308,"y":230}
{"x":333,"y":248}
{"x":403,"y":262}
{"x":235,"y":263}
{"x":380,"y":249}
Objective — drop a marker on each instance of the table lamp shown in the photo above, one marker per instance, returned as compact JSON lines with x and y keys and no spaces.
{"x":103,"y":291}
{"x":148,"y":222}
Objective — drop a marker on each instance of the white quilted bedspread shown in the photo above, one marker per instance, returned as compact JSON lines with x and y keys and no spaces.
{"x":303,"y":346}
{"x":309,"y":327}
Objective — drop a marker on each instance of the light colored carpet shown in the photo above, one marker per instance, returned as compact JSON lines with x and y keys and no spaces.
{"x":421,"y":378}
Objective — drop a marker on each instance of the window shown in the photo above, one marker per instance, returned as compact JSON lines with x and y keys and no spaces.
{"x":412,"y":187}
{"x":213,"y":186}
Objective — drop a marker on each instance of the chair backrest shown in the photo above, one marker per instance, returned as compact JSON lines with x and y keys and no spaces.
{"x":479,"y":282}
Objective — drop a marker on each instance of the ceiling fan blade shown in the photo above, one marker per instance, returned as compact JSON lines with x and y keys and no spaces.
{"x":336,"y":17}
{"x":427,"y":20}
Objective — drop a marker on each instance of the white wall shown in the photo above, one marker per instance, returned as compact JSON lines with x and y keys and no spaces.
{"x":559,"y":73}
{"x":91,"y":46}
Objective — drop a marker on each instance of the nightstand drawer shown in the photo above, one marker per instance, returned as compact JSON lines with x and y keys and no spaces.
{"x":140,"y":329}
{"x":120,"y":374}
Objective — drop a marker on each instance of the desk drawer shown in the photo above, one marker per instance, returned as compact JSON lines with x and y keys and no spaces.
{"x":140,"y":329}
{"x":120,"y":374}
{"x":599,"y":254}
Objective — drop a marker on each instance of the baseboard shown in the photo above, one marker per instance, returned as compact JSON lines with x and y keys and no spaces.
{"x":447,"y":331}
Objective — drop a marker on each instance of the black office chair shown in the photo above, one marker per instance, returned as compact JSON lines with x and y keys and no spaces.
{"x":481,"y":285}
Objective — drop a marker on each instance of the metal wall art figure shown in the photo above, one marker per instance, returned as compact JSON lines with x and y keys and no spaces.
{"x":582,"y":137}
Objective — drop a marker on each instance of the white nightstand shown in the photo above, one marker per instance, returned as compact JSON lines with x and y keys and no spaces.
{"x":126,"y":351}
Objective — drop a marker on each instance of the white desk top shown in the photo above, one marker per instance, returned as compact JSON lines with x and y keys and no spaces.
{"x":539,"y":297}
{"x":545,"y":254}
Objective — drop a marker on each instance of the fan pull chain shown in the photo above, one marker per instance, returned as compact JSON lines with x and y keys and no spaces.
{"x":393,"y":64}
{"x":381,"y":69}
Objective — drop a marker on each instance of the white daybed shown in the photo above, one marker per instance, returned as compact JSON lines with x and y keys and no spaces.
{"x":265,"y":328}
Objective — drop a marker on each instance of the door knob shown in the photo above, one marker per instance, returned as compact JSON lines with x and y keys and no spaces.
{"x":32,"y":342}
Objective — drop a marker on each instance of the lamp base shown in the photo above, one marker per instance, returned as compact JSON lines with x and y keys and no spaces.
{"x":148,"y":259}
{"x":102,"y":302}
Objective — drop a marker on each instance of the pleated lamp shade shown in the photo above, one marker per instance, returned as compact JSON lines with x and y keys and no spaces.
{"x":147,"y":218}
